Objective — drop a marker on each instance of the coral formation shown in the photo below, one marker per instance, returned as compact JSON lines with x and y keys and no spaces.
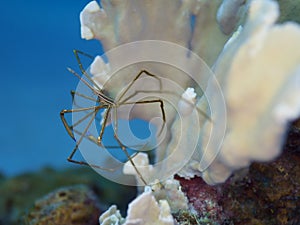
{"x":204,"y":200}
{"x":270,"y":193}
{"x":153,"y":206}
{"x":65,"y":206}
{"x":258,"y":69}
{"x":111,"y":216}
{"x":117,"y":23}
{"x":254,"y":131}
{"x":267,"y":194}
{"x":144,"y":210}
{"x":141,"y":160}
{"x":170,"y":190}
{"x":19,"y":193}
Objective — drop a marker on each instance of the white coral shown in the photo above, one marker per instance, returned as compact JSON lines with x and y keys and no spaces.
{"x":258,"y":70}
{"x":100,"y":71}
{"x":259,"y":74}
{"x":144,"y":210}
{"x":120,"y":22}
{"x":170,"y":190}
{"x":141,"y":161}
{"x":187,"y":102}
{"x":111,"y":217}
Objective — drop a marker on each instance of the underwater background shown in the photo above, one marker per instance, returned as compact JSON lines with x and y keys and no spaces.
{"x":37,"y":39}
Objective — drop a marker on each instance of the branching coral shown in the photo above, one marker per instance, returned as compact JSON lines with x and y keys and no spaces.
{"x":144,"y":210}
{"x":111,"y":217}
{"x":189,"y":23}
{"x":258,"y":70}
{"x":260,"y":76}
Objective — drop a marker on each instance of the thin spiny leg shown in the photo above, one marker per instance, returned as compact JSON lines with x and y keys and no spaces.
{"x":74,"y":93}
{"x":83,"y":134}
{"x":70,"y":158}
{"x":76,"y":51}
{"x":135,"y":79}
{"x":70,"y":129}
{"x":91,"y":137}
{"x":136,"y":92}
{"x":95,"y":140}
{"x":96,"y":90}
{"x":84,"y":81}
{"x":161,"y":108}
{"x":82,"y":119}
{"x":65,"y":123}
{"x":171,"y":93}
{"x":83,"y":71}
{"x":99,"y":139}
{"x":124,"y":148}
{"x":103,"y":99}
{"x":130,"y":159}
{"x":155,"y":76}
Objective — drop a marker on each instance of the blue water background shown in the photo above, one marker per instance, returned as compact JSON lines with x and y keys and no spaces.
{"x":37,"y":39}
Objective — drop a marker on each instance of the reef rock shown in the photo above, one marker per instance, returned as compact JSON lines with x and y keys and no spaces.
{"x":74,"y":205}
